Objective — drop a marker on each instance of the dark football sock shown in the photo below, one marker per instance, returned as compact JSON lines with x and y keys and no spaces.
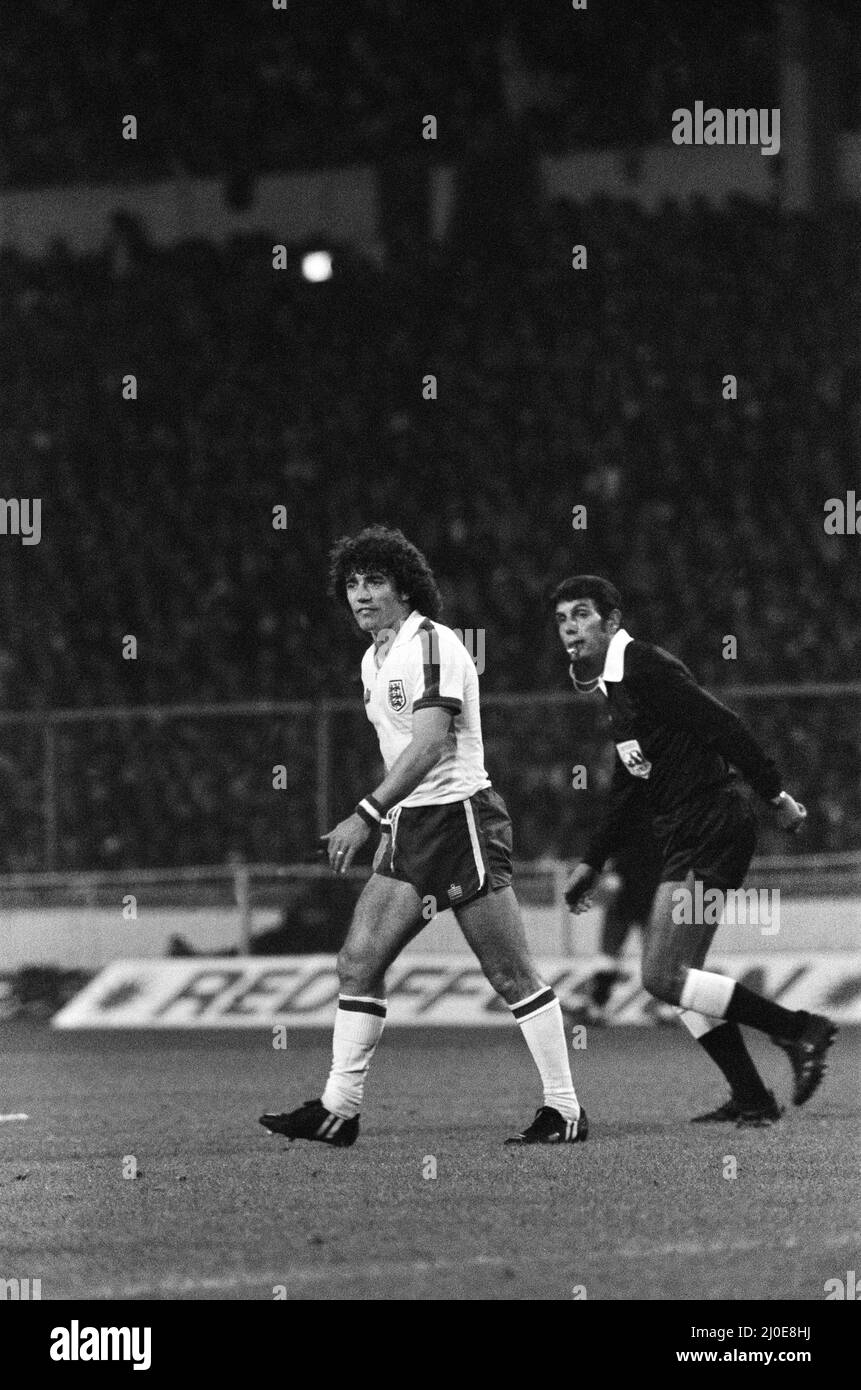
{"x":746,"y":1007}
{"x":602,"y":985}
{"x":726,"y":1047}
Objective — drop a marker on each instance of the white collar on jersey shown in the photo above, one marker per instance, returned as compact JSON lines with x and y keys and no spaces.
{"x":408,"y":628}
{"x":614,"y":661}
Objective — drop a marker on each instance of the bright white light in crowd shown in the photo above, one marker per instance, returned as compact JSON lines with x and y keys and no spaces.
{"x":317,"y":266}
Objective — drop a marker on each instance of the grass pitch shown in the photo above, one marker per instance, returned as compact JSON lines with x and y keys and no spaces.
{"x":648,"y":1208}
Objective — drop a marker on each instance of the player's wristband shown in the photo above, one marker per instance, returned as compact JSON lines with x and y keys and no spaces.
{"x":370,"y":810}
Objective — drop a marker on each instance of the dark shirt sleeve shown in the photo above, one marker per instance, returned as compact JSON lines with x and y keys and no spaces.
{"x":626,"y":793}
{"x":674,"y":698}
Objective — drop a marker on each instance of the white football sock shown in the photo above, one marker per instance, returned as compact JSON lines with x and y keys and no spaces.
{"x":540,"y":1019}
{"x":697,"y":1024}
{"x":707,"y":993}
{"x":359,"y":1025}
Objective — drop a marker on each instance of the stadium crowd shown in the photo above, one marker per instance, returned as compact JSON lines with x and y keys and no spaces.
{"x":237,"y":87}
{"x":555,"y":388}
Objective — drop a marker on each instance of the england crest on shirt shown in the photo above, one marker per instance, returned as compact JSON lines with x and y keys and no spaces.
{"x":397,"y":696}
{"x":633,"y":757}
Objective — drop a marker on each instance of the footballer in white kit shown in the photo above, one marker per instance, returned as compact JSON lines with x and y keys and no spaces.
{"x":451,"y":836}
{"x":445,"y":835}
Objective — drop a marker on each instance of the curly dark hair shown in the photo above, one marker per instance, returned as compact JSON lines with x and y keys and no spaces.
{"x":385,"y":549}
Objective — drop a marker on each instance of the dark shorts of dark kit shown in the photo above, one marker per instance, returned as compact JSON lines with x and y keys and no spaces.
{"x":638,"y":865}
{"x":714,"y":841}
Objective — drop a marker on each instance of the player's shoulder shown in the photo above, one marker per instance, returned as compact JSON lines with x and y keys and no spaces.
{"x":645,"y":659}
{"x":435,"y":636}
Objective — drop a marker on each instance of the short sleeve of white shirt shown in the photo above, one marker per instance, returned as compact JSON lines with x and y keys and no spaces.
{"x":440,"y":681}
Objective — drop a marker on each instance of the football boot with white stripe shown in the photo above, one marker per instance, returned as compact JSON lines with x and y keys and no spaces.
{"x":313,"y":1121}
{"x":549,"y":1127}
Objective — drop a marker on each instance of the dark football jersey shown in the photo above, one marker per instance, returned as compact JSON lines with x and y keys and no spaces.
{"x":676,"y":746}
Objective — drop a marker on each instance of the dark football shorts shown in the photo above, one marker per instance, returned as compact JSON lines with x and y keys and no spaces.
{"x":715,"y":842}
{"x":452,"y":851}
{"x":636,"y":894}
{"x":638,"y":864}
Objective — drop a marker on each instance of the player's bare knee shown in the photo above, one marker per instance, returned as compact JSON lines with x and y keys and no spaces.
{"x":505,"y":987}
{"x":513,"y":985}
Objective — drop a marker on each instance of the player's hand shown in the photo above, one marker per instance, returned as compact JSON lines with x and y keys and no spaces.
{"x":789,"y":814}
{"x":344,"y":841}
{"x":578,"y":890}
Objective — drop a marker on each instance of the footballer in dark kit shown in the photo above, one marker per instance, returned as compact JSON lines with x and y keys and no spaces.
{"x":677,"y":747}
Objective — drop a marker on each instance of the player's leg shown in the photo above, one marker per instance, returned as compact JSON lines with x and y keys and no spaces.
{"x":618,"y":922}
{"x":616,"y":925}
{"x":720,"y":1039}
{"x":493,"y":928}
{"x":804,"y":1037}
{"x":673,"y":948}
{"x":638,"y":866}
{"x":672,"y":971}
{"x":388,"y":914}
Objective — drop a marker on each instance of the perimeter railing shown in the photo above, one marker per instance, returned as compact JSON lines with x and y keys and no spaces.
{"x":257,"y":894}
{"x":257,"y":782}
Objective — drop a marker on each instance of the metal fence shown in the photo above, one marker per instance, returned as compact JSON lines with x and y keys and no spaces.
{"x":114,"y":788}
{"x":81,"y":919}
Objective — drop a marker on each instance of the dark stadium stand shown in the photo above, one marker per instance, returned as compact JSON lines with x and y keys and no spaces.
{"x":236,"y":87}
{"x":231,"y":87}
{"x":555,"y":388}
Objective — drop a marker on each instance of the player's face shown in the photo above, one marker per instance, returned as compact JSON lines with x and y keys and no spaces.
{"x":584,"y":634}
{"x":375,"y":602}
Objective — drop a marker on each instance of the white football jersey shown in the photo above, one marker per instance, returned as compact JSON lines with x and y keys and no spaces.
{"x":427,"y":665}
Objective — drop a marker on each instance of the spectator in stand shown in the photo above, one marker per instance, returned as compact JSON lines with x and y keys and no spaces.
{"x":602,"y":389}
